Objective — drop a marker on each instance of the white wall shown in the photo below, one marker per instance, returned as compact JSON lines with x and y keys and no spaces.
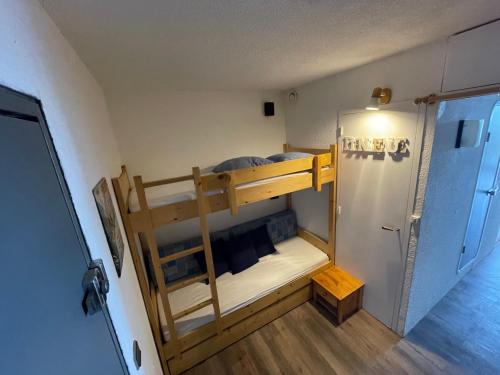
{"x":37,"y":60}
{"x":312,"y":120}
{"x":164,"y":133}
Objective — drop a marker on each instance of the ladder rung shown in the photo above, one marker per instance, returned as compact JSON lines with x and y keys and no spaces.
{"x":193,"y":309}
{"x":181,"y":254}
{"x":186,"y":282}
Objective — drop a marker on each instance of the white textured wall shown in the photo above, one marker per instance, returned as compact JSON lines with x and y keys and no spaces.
{"x":37,"y":60}
{"x":164,"y":133}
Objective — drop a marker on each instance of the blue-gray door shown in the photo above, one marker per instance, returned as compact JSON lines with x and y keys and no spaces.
{"x":43,"y":328}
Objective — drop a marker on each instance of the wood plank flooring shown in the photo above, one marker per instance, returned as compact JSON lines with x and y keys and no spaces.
{"x":461,"y":335}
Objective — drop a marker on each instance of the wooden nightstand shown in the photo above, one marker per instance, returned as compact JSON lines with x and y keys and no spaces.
{"x":338,"y":292}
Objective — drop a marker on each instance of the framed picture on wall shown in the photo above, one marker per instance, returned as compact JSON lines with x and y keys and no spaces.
{"x":109,"y":222}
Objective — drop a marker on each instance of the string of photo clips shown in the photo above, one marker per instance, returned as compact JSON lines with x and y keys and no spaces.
{"x":396,"y":145}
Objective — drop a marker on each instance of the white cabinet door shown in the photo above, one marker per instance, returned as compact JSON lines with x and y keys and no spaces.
{"x":374,"y":191}
{"x":472,"y":58}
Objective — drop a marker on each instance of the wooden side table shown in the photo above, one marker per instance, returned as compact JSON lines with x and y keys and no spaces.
{"x":339,"y":292}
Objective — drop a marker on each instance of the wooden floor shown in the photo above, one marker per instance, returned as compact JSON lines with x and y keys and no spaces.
{"x":461,"y":335}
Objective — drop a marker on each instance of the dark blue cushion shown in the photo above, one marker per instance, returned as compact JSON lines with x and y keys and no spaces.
{"x":289,"y":156}
{"x":262,"y":241}
{"x":219,"y":255}
{"x":240,"y":163}
{"x":281,"y":226}
{"x":241,"y":254}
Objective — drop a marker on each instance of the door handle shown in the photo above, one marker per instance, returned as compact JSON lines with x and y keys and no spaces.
{"x":93,"y":299}
{"x":95,"y":286}
{"x":491,"y":192}
{"x":390,"y":228}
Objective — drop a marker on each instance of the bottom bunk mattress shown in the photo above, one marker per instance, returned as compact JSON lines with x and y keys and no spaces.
{"x":293,"y":258}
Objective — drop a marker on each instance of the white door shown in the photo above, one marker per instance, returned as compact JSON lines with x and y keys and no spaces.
{"x":485,"y":193}
{"x":373,"y":204}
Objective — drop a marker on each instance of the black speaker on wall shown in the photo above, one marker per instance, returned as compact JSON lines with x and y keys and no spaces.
{"x":268,"y":109}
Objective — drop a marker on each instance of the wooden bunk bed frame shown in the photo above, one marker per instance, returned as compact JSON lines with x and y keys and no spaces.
{"x":182,"y":352}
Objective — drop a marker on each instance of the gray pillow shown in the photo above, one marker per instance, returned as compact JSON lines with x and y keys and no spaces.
{"x":289,"y":156}
{"x":240,"y":163}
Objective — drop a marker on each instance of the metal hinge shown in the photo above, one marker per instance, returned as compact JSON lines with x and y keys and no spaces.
{"x":415,"y":219}
{"x":391,"y":228}
{"x":463,"y":249}
{"x":18,"y":115}
{"x":488,"y":136}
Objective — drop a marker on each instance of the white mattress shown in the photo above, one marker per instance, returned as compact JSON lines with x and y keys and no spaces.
{"x":294,"y":258}
{"x":162,"y":195}
{"x":169,"y":194}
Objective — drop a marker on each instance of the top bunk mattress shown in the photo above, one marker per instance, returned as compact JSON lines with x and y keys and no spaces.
{"x":293,"y":258}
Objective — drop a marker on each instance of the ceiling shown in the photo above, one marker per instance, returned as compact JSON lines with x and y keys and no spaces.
{"x":249,"y":44}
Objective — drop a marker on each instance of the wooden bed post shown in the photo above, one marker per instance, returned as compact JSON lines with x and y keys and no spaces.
{"x":332,"y":204}
{"x":202,"y":213}
{"x":151,"y":307}
{"x":231,"y":194}
{"x":316,"y":171}
{"x":286,"y":147}
{"x":155,"y":258}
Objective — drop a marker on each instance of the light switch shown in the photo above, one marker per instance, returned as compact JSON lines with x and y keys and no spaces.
{"x":469,"y":133}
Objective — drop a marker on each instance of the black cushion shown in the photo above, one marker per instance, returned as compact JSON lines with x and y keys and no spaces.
{"x":242,"y":254}
{"x":262,"y":242}
{"x":219,"y":255}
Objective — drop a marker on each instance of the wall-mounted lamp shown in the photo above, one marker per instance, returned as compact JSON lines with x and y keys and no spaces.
{"x":379,"y":96}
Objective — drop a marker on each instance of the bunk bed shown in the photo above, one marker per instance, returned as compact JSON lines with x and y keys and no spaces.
{"x":190,"y":319}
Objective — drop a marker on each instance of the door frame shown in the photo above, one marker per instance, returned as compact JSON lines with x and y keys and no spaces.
{"x":466,"y":267}
{"x":29,"y":108}
{"x":412,"y":212}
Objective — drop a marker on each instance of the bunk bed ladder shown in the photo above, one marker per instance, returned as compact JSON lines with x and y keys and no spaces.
{"x":158,"y":261}
{"x":155,"y":260}
{"x":202,"y":213}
